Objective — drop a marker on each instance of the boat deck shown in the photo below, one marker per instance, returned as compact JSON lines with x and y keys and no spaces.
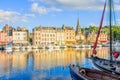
{"x":89,"y":74}
{"x":107,"y":66}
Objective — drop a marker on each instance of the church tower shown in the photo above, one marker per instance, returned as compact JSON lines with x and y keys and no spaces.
{"x":79,"y":36}
{"x":78,"y":28}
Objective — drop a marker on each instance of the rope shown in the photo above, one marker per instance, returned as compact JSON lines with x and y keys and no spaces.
{"x":114,"y":15}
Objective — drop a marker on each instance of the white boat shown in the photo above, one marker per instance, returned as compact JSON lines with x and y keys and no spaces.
{"x":34,"y":47}
{"x":114,"y":44}
{"x":29,"y":48}
{"x":99,"y":46}
{"x":8,"y":46}
{"x":82,"y":46}
{"x":88,"y":46}
{"x":22,"y":48}
{"x":16,"y":47}
{"x":63,"y":47}
{"x":49,"y":47}
{"x":8,"y":49}
{"x":75,"y":46}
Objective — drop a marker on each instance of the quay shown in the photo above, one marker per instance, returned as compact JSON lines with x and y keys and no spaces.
{"x":23,"y":48}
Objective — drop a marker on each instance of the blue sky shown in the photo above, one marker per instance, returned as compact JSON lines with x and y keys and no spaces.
{"x":31,"y":13}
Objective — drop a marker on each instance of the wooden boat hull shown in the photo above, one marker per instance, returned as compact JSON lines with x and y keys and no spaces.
{"x":75,"y":74}
{"x":89,"y":74}
{"x":104,"y":65}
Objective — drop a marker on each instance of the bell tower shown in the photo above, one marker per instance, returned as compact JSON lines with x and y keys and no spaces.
{"x":78,"y":28}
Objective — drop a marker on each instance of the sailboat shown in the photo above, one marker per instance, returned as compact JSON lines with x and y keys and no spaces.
{"x":78,"y":73}
{"x":106,"y":65}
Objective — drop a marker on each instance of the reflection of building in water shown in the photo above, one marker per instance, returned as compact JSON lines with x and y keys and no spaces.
{"x":5,"y":61}
{"x":19,"y":60}
{"x":46,"y":60}
{"x":102,"y":52}
{"x":80,"y":56}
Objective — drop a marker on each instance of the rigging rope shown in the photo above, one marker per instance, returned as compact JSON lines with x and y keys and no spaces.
{"x":114,"y":15}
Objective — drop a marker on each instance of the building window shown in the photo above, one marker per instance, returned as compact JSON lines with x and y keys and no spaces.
{"x":36,"y":42}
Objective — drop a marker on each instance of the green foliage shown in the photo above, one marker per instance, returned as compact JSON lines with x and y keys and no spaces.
{"x":115,"y":31}
{"x":30,"y":40}
{"x":93,"y":28}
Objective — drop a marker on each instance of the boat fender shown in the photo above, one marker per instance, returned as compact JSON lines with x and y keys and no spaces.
{"x":82,"y":71}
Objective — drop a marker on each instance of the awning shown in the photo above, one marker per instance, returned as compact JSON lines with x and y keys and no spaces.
{"x":3,"y":43}
{"x":103,"y":40}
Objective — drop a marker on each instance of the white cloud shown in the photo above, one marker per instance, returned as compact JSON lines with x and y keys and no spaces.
{"x":29,"y":15}
{"x":76,"y":4}
{"x":12,"y":16}
{"x":54,"y":9}
{"x":36,"y":8}
{"x":43,"y":10}
{"x":73,"y":4}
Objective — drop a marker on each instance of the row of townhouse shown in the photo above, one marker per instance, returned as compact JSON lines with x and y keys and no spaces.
{"x":17,"y":36}
{"x":43,"y":36}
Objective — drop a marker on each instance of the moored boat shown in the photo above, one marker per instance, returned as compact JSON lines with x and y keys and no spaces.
{"x":78,"y":73}
{"x":112,"y":67}
{"x":49,"y":47}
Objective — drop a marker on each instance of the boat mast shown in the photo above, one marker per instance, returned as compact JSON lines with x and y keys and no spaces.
{"x":110,"y":24}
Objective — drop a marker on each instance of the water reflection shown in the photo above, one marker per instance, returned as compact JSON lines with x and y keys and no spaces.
{"x":44,"y":64}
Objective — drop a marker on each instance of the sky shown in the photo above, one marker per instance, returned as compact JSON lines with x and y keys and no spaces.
{"x":53,"y":13}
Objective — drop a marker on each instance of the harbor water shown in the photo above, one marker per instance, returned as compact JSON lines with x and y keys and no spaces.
{"x":43,"y":64}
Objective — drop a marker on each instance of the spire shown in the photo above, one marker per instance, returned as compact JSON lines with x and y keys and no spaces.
{"x":6,"y":28}
{"x":78,"y":28}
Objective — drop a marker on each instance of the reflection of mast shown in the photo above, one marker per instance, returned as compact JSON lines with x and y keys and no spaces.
{"x":86,"y":54}
{"x":78,"y":57}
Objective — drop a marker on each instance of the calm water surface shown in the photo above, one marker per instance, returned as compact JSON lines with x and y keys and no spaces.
{"x":44,"y":64}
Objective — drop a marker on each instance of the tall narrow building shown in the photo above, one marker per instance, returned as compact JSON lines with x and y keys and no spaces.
{"x":78,"y":28}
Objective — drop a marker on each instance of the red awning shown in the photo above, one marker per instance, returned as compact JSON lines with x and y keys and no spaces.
{"x":103,"y":40}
